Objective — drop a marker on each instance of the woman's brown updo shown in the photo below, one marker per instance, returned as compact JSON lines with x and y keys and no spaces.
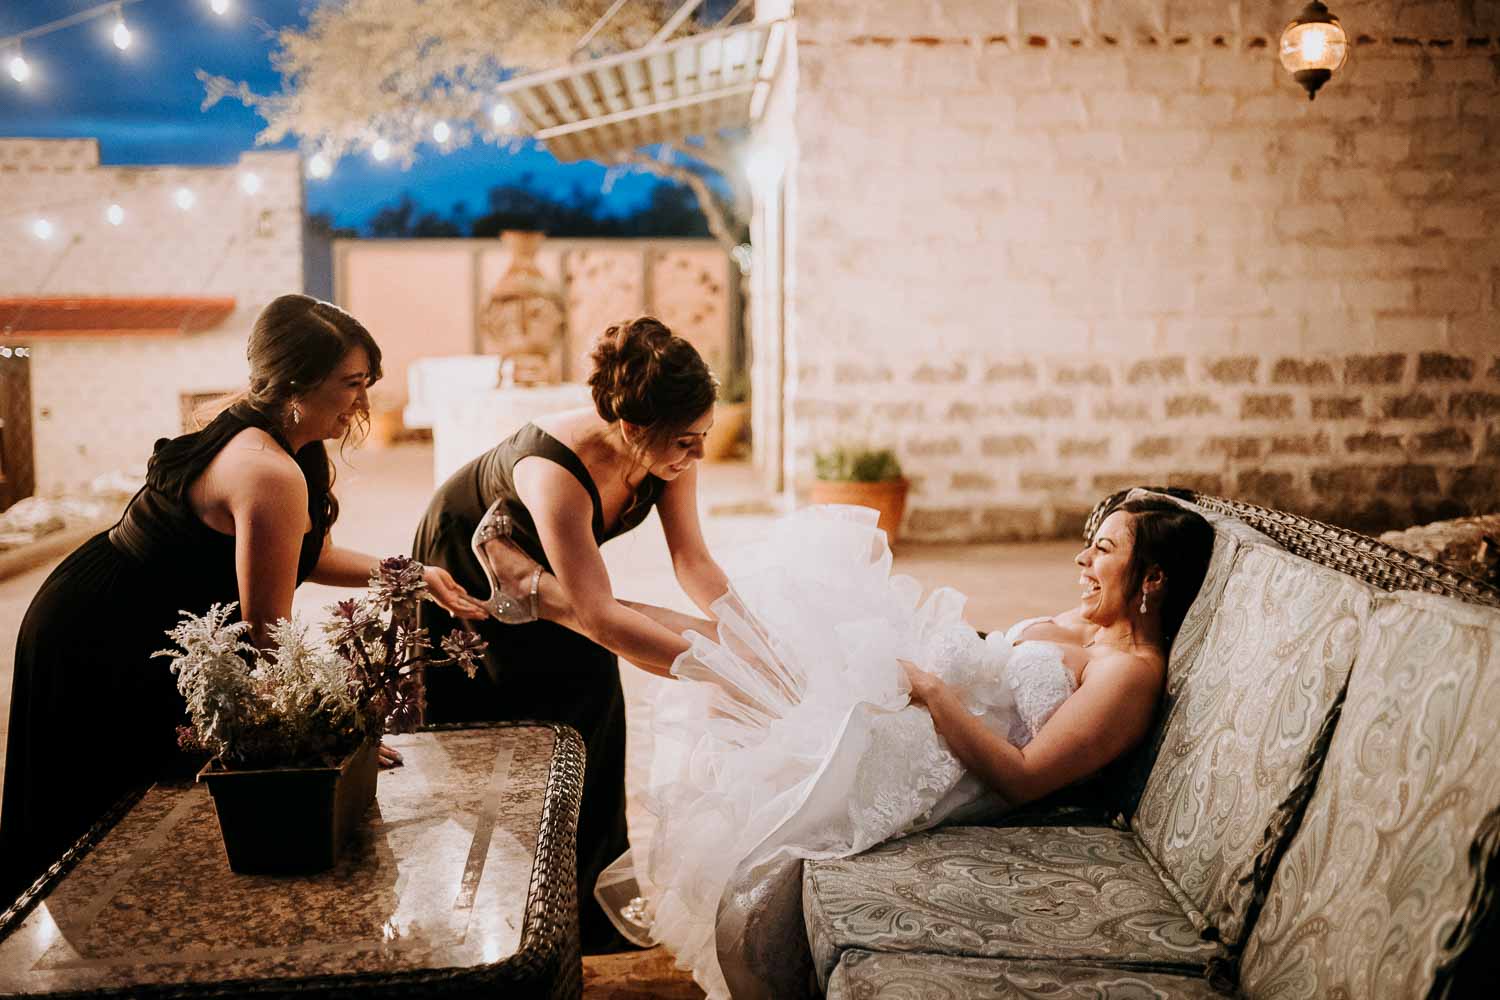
{"x":646,"y":376}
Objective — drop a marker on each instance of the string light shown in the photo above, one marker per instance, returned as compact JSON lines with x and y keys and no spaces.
{"x":219,"y":7}
{"x":381,"y":150}
{"x":20,"y":69}
{"x":318,"y":166}
{"x":501,"y":115}
{"x":42,"y":229}
{"x":250,"y":182}
{"x":184,"y":198}
{"x":441,"y":132}
{"x":121,"y":33}
{"x":114,"y":215}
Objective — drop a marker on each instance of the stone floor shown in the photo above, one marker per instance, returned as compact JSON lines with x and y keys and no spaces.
{"x":383,"y":492}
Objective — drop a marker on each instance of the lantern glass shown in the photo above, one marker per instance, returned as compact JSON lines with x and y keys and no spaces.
{"x":1314,"y":45}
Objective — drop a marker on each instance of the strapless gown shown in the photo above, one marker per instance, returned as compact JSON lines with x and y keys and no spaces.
{"x":793,"y":737}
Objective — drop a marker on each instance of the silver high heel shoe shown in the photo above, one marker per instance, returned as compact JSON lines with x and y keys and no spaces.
{"x":506,"y":608}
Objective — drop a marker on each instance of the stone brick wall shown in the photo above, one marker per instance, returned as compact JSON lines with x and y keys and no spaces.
{"x":1049,"y":248}
{"x":98,"y":404}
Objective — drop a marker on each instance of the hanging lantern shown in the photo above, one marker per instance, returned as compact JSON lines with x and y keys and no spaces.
{"x":1313,"y":47}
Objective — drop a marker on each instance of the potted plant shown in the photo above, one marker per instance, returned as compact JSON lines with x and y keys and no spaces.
{"x":294,"y":728}
{"x":864,"y":477}
{"x":730,"y":415}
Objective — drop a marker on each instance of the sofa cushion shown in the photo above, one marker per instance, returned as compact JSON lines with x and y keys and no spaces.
{"x":864,"y":975}
{"x":1075,"y":893}
{"x":1273,"y":663}
{"x":1381,"y":868}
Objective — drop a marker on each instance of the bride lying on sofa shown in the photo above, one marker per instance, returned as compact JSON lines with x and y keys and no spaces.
{"x":828,"y":709}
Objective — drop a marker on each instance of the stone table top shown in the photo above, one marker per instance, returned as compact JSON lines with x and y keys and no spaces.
{"x":438,"y":883}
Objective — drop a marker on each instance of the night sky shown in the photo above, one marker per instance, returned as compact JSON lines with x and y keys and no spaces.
{"x":143,"y":106}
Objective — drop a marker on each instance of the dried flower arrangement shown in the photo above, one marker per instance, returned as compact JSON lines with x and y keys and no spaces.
{"x":302,"y":702}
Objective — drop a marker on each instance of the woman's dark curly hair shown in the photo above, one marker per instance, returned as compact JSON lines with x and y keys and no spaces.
{"x":1178,"y":540}
{"x":646,"y":376}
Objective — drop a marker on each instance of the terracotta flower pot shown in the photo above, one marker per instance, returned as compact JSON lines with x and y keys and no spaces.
{"x":887,"y":496}
{"x":286,"y":820}
{"x":724,"y":437}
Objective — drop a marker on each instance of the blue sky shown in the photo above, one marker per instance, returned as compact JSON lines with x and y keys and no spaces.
{"x":143,"y":105}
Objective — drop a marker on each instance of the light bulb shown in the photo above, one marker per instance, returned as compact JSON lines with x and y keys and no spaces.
{"x":318,"y":166}
{"x":114,"y":214}
{"x":250,"y":182}
{"x":184,"y":198}
{"x":441,"y":132}
{"x":20,"y":69}
{"x":219,"y":7}
{"x":42,"y":229}
{"x":380,"y":149}
{"x":121,"y":35}
{"x":501,"y":115}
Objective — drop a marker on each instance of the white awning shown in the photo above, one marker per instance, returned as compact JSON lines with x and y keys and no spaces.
{"x":661,"y":93}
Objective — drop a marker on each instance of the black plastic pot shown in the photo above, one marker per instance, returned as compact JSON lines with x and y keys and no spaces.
{"x":291,"y":820}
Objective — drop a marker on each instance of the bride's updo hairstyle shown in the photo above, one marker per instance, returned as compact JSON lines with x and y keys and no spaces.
{"x":1178,"y":540}
{"x":646,"y":376}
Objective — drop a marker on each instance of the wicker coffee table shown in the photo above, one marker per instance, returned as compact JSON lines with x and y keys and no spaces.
{"x":462,"y":885}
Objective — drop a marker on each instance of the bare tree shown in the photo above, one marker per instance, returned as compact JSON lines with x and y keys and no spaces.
{"x":368,"y":71}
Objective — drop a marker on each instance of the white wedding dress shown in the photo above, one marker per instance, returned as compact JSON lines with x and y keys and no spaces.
{"x":793,"y":737}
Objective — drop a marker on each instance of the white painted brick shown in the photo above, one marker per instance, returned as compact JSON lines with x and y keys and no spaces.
{"x":1474,"y":332}
{"x":1197,"y":334}
{"x":1421,"y":183}
{"x":1049,"y":185}
{"x":1379,"y":294}
{"x":1137,"y":184}
{"x":1051,"y":110}
{"x":1166,"y":71}
{"x":1450,"y":293}
{"x":1431,"y":18}
{"x":1412,"y":107}
{"x":947,"y":69}
{"x":1482,"y":105}
{"x":1406,"y":333}
{"x":1047,"y":17}
{"x":1374,"y":70}
{"x":1301,"y":221}
{"x":1092,"y":71}
{"x":1351,"y":182}
{"x":1012,"y":72}
{"x":1384,"y":145}
{"x":1152,"y":292}
{"x":1267,"y":334}
{"x":1454,"y":221}
{"x":1238,"y":71}
{"x":1113,"y":108}
{"x":1092,"y":147}
{"x":1018,"y":148}
{"x":1295,"y":295}
{"x":1164,"y":147}
{"x":1339,"y":331}
{"x":1230,"y":295}
{"x":1199,"y":110}
{"x":1131,"y":18}
{"x":1389,"y":221}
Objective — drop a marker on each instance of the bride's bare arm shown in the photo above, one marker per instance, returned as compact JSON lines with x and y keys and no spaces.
{"x":1108,"y":714}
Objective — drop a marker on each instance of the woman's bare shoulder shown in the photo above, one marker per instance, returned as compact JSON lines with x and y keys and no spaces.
{"x":253,"y":462}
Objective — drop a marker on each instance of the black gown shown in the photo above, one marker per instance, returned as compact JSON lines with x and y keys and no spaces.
{"x":539,"y":670}
{"x":92,"y":715}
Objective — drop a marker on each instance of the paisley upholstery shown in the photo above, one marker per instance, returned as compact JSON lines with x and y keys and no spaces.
{"x":864,"y":975}
{"x":1074,"y":893}
{"x":1271,"y":667}
{"x":1381,"y":869}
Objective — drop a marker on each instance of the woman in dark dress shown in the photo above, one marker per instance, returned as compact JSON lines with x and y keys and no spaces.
{"x":549,"y":496}
{"x":239,"y":511}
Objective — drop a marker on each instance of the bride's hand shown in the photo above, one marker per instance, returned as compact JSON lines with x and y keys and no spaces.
{"x":449,"y":595}
{"x":923,"y":684}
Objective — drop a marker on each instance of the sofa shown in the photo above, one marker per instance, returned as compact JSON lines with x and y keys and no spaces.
{"x":1317,"y":813}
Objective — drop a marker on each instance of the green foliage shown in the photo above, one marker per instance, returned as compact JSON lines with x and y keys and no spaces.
{"x":857,"y":464}
{"x":304,"y":702}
